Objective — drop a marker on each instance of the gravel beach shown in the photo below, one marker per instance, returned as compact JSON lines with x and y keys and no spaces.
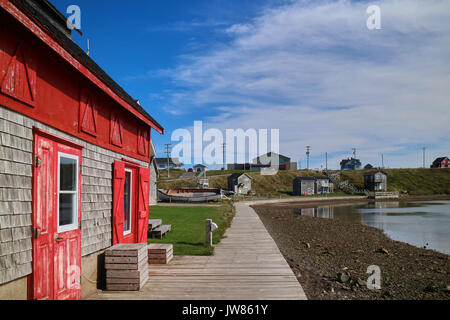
{"x":330,"y":258}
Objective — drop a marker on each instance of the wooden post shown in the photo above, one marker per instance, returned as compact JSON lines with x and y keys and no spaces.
{"x":208,"y":240}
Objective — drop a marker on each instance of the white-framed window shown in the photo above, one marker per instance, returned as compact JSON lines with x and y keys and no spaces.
{"x":68,"y":171}
{"x":128,"y":201}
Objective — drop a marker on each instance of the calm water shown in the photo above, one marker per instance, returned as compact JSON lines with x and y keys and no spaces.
{"x":420,"y":223}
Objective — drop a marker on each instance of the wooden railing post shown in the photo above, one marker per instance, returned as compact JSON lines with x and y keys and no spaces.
{"x":210,"y":226}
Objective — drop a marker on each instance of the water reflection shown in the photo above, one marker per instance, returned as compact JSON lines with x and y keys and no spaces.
{"x":420,"y":223}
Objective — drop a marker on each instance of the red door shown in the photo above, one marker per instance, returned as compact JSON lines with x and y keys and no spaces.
{"x":129,"y":206}
{"x":130,"y":210}
{"x":56,"y":220}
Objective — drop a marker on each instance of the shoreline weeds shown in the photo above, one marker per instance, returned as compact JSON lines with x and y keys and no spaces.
{"x":330,"y":256}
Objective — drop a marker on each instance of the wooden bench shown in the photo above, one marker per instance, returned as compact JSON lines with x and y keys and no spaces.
{"x":154,"y":223}
{"x":160,"y":231}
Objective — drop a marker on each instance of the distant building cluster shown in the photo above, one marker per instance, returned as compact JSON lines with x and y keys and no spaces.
{"x":270,"y":159}
{"x":172,"y":163}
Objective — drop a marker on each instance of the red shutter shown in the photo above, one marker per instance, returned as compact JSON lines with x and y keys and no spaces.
{"x":118,"y":189}
{"x":19,"y":76}
{"x":88,"y":113}
{"x":144,"y":177}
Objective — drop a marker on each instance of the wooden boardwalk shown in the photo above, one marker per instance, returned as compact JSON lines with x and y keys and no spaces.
{"x":247,"y":265}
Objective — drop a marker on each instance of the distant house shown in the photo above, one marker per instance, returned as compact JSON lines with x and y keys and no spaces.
{"x":272,"y":159}
{"x":442,"y":162}
{"x":303,"y":186}
{"x":240,"y":183}
{"x":174,"y":164}
{"x":200,"y":168}
{"x":375,"y":181}
{"x":368,"y":167}
{"x":350,"y":164}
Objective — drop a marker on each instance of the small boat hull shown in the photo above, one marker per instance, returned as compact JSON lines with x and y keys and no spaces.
{"x":189,"y":195}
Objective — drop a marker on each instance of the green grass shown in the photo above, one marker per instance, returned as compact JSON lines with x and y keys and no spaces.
{"x":410,"y":181}
{"x":174,"y":174}
{"x":188,"y":227}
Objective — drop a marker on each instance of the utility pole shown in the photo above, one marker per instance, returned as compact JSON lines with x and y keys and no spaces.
{"x":223,"y":151}
{"x":382,"y":161}
{"x":168,"y":157}
{"x":326,"y":161}
{"x":423,"y":161}
{"x":354,"y":153}
{"x":308,"y":148}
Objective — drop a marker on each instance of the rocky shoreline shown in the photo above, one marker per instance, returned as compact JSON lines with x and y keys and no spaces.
{"x":330,"y":258}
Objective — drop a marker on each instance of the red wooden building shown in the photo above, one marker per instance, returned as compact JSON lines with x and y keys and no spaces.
{"x":74,"y":159}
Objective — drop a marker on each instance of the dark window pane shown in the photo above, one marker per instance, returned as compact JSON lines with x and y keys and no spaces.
{"x":66,"y":209}
{"x":67,"y":174}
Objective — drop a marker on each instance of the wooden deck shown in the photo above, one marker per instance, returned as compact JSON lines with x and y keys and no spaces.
{"x":247,"y":265}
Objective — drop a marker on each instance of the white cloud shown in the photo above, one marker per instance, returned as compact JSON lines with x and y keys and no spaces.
{"x":314,"y":70}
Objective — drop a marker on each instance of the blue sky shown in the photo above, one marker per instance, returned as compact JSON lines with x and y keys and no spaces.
{"x":309,"y":68}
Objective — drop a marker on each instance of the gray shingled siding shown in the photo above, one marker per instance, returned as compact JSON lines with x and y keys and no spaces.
{"x":153,"y":197}
{"x":16,"y":145}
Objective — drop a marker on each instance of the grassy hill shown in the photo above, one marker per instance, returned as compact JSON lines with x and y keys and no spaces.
{"x":412,"y":181}
{"x":174,"y":174}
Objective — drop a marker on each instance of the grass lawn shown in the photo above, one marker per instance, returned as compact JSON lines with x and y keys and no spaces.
{"x":174,"y":174}
{"x":188,"y":227}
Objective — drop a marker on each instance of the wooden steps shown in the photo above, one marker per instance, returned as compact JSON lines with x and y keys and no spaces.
{"x":156,"y":229}
{"x":160,"y":253}
{"x":154,"y":223}
{"x":160,"y":231}
{"x":126,"y":267}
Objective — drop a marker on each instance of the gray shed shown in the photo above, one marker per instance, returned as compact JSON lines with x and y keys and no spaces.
{"x":323,"y":185}
{"x":304,"y":186}
{"x":240,"y":183}
{"x":375,"y":181}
